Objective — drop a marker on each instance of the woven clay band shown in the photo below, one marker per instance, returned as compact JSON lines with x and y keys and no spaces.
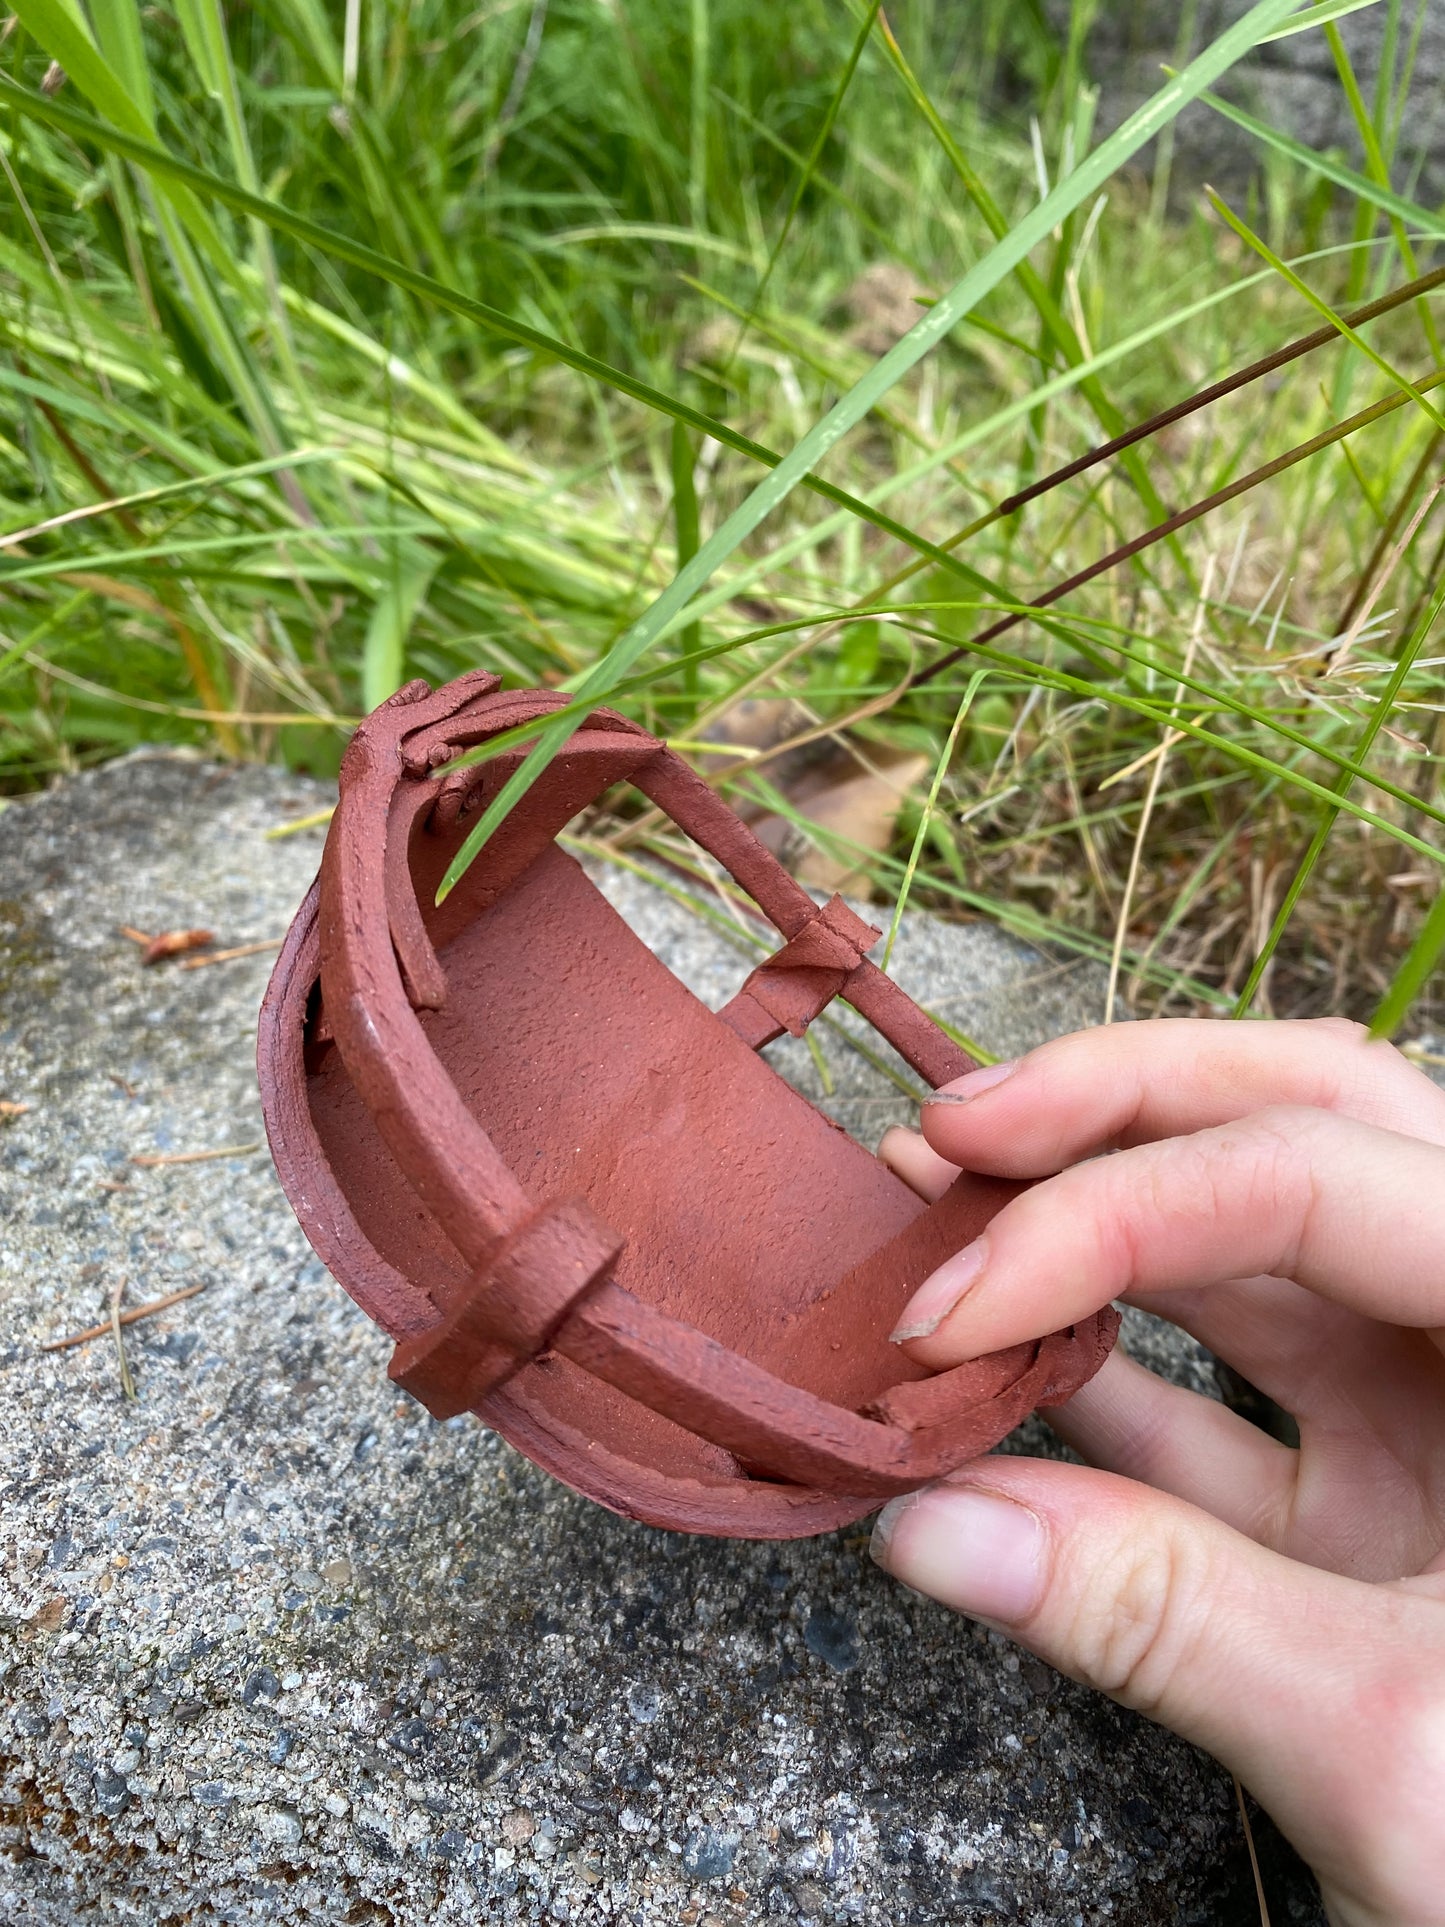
{"x":517,"y":1305}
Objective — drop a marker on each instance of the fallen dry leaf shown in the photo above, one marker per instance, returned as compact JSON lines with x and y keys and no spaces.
{"x":857,"y":800}
{"x":8,"y":1108}
{"x":853,"y":790}
{"x":175,"y":943}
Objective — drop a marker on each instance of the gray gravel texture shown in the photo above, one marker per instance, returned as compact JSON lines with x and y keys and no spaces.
{"x":276,"y":1647}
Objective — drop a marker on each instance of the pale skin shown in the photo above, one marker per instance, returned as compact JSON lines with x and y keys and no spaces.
{"x":1279,"y":1191}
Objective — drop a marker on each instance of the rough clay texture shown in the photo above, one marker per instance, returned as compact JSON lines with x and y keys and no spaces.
{"x":275,"y":1647}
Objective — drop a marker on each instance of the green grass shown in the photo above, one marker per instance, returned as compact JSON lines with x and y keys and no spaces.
{"x":503,"y":335}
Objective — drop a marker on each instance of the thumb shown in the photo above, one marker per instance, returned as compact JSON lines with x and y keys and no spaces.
{"x":1309,"y":1686}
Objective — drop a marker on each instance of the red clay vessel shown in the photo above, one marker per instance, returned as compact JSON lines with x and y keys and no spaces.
{"x":580,"y":1202}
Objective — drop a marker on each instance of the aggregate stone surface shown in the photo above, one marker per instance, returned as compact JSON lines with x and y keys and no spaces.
{"x":275,"y":1647}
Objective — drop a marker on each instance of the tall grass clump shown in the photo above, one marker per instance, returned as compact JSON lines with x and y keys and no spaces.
{"x":708,"y":357}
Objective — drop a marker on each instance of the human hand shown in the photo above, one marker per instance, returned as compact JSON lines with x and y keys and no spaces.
{"x":1279,"y":1191}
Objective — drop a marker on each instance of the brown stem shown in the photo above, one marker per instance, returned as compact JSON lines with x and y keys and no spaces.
{"x":1216,"y":391}
{"x":132,"y":1316}
{"x":1229,"y":385}
{"x":1182,"y":520}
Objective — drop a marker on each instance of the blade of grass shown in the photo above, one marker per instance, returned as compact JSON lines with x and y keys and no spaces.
{"x":1054,"y":323}
{"x":1119,"y":351}
{"x":1426,"y":224}
{"x":1374,"y":723}
{"x":930,"y":805}
{"x":190,"y":234}
{"x":697,"y":116}
{"x":383,"y":654}
{"x":1414,"y":973}
{"x":822,"y":364}
{"x":1151,"y":796}
{"x":876,"y":231}
{"x":1231,"y":492}
{"x":1204,"y":397}
{"x":1318,"y":302}
{"x":685,"y":523}
{"x":986,"y":275}
{"x":805,"y":175}
{"x":1389,"y":529}
{"x":1378,"y":167}
{"x":1379,"y":171}
{"x":1212,"y":697}
{"x":158,"y":161}
{"x":204,"y":27}
{"x":205,"y":485}
{"x":1323,"y":12}
{"x":1161,"y":717}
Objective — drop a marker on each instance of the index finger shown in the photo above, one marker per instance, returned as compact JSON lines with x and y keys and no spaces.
{"x":1352,"y":1213}
{"x":1130,"y":1084}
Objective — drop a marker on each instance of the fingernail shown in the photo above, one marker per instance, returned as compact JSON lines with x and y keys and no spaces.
{"x":967,"y":1090}
{"x":975,"y":1551}
{"x":936,"y":1297}
{"x":884,"y":1527}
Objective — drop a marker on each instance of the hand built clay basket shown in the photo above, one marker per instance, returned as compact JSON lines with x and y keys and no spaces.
{"x":579,"y":1201}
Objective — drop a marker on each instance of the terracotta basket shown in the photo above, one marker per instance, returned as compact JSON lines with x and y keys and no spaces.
{"x":579,"y":1201}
